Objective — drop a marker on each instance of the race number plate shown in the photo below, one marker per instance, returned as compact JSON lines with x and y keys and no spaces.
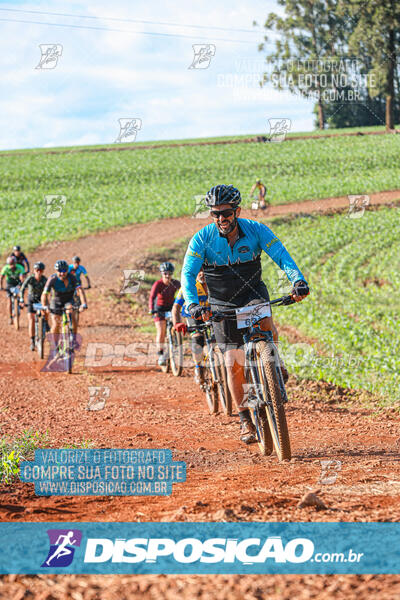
{"x":248,"y":315}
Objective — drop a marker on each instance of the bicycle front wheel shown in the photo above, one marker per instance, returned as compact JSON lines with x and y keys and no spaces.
{"x":176,"y":352}
{"x":275,"y":409}
{"x":40,"y":335}
{"x":16,"y":313}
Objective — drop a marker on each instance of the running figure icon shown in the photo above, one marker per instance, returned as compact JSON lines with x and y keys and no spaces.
{"x":62,"y":542}
{"x":62,"y":549}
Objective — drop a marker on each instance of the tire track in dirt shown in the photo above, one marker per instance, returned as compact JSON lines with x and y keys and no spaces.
{"x":249,"y":140}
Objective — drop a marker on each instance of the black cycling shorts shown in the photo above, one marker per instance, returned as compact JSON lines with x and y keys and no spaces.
{"x":31,"y":302}
{"x":227,"y":335}
{"x":56,"y":306}
{"x":190,"y":322}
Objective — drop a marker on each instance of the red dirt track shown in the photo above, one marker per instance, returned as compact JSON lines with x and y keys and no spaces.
{"x":225,"y":479}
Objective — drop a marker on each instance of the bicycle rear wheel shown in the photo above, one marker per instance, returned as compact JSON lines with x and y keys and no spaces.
{"x":224,"y":394}
{"x":16,"y":312}
{"x":175,"y":352}
{"x":275,"y":409}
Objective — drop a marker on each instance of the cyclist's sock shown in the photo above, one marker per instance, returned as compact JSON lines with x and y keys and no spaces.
{"x":244,"y":415}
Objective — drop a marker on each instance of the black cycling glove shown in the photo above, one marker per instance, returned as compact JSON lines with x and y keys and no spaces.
{"x":196,"y":311}
{"x":300,"y":288}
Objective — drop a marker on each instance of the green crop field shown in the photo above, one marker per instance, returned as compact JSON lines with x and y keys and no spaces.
{"x":353,"y":268}
{"x":111,"y":189}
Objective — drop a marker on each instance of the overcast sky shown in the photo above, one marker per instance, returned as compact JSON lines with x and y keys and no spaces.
{"x":102,"y":76}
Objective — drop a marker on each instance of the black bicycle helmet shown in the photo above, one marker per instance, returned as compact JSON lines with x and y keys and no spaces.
{"x":17,"y":248}
{"x":223,"y":194}
{"x":167,"y":266}
{"x":11,"y":260}
{"x":39,"y":265}
{"x":61,"y":265}
{"x":76,"y":259}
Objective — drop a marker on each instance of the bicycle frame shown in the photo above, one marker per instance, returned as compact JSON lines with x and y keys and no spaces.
{"x":210,"y":343}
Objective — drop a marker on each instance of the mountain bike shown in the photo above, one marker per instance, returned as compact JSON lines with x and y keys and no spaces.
{"x":255,"y":202}
{"x":15,"y":306}
{"x":66,"y":343}
{"x":215,"y":384}
{"x":40,"y":328}
{"x":266,"y":394}
{"x":174,"y":359}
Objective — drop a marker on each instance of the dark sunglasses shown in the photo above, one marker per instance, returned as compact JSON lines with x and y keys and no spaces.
{"x":222,"y":213}
{"x":62,"y":271}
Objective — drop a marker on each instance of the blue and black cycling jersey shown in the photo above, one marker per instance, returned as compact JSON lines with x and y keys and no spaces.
{"x":78,"y":272}
{"x":233,"y":274}
{"x":62,"y":293}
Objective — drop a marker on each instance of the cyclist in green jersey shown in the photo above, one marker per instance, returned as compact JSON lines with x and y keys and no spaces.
{"x":14,"y":275}
{"x":35,"y":283}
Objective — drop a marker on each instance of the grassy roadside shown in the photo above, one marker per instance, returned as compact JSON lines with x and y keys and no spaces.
{"x":22,"y":448}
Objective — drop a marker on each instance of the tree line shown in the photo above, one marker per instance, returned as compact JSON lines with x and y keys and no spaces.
{"x":343,"y":53}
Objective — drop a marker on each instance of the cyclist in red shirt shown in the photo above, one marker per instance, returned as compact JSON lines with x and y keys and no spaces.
{"x":161,"y":300}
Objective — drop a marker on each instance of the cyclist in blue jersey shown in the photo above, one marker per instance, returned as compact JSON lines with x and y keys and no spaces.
{"x":78,"y":270}
{"x":63,"y":286}
{"x":230,"y":251}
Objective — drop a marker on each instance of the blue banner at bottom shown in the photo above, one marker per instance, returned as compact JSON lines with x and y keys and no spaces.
{"x":200,"y":548}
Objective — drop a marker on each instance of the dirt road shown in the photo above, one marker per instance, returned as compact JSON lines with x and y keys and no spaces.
{"x":225,"y":479}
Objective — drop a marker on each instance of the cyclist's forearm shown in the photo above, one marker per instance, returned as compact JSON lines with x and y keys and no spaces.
{"x":87,"y":281}
{"x":23,"y":286}
{"x":176,"y":314}
{"x":1,"y":281}
{"x":44,"y":299}
{"x":82,"y":295}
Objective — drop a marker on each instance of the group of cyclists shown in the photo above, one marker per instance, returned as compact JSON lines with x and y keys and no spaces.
{"x":63,"y":289}
{"x":222,"y":271}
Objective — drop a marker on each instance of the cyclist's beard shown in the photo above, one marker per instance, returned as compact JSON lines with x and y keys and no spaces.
{"x":226,"y":232}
